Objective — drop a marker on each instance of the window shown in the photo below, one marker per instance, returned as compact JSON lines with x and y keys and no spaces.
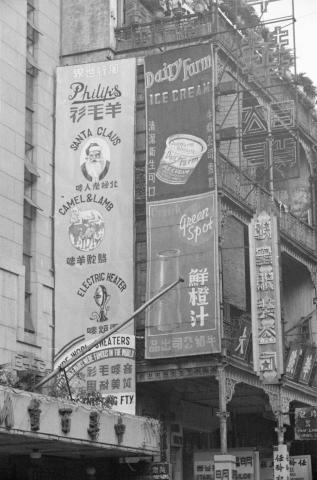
{"x":32,"y":30}
{"x":28,"y":126}
{"x":27,"y":258}
{"x":30,"y":172}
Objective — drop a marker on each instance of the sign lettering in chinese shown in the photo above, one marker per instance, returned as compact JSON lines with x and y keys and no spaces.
{"x":265,"y":297}
{"x":281,"y":469}
{"x":160,"y":471}
{"x":308,"y":364}
{"x":184,"y":321}
{"x":299,"y":468}
{"x":94,"y":222}
{"x":181,"y":203}
{"x":306,"y":423}
{"x":293,"y":358}
{"x":256,"y":120}
{"x":203,"y":470}
{"x":246,"y":464}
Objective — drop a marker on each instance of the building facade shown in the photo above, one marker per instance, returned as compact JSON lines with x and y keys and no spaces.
{"x":250,"y":205}
{"x":29,"y":59}
{"x":40,"y":436}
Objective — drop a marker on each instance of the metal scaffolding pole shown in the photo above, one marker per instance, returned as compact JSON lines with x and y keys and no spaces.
{"x":100,"y":339}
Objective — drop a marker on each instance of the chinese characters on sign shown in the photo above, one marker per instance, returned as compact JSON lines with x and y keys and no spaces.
{"x":306,"y":423}
{"x":160,"y":471}
{"x":181,"y":203}
{"x":308,"y":363}
{"x":281,"y":462}
{"x":300,"y":362}
{"x":184,"y":321}
{"x":294,"y":355}
{"x":94,"y":223}
{"x":256,"y":120}
{"x":265,"y":298}
{"x":299,"y":468}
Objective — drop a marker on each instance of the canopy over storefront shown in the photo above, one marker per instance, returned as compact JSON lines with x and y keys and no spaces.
{"x":31,"y":422}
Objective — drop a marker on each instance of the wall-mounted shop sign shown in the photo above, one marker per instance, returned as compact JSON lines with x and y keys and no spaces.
{"x":293,"y":359}
{"x":281,"y":463}
{"x":265,"y":297}
{"x":306,"y":423}
{"x":160,"y":471}
{"x":308,"y":363}
{"x":300,"y":362}
{"x":247,"y":464}
{"x":94,"y":202}
{"x":299,"y":468}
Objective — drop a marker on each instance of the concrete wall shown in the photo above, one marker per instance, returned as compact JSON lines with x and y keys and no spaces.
{"x":15,"y":343}
{"x":88,"y":26}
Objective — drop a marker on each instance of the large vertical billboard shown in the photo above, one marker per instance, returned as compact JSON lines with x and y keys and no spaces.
{"x":94,"y":223}
{"x":181,"y":203}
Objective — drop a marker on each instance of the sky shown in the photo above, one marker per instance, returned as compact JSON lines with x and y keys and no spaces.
{"x":305,"y":31}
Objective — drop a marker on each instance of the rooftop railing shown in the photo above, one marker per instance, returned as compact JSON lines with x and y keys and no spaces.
{"x":164,"y":31}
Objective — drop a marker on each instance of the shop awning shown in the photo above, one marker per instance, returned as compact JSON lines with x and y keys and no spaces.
{"x":55,"y":427}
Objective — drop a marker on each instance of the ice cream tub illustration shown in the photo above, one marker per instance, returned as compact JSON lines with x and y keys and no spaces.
{"x":181,"y":156}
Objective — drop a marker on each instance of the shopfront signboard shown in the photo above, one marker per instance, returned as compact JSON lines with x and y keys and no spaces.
{"x":299,"y":468}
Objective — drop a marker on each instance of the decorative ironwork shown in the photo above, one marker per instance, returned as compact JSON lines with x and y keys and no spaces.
{"x":237,"y":184}
{"x":273,"y":394}
{"x":230,"y":387}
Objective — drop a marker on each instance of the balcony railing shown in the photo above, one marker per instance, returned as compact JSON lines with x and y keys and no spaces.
{"x":241,"y":188}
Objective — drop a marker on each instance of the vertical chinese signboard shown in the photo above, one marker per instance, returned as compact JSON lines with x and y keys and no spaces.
{"x":281,"y":469}
{"x":181,"y":203}
{"x":265,"y":297}
{"x":94,"y":224}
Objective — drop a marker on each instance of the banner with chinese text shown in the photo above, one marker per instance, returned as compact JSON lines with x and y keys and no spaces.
{"x":95,"y":112}
{"x":265,"y":297}
{"x":181,"y":203}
